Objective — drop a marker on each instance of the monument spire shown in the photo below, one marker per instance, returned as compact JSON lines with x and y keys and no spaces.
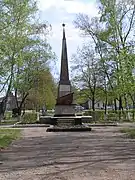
{"x":64,"y":74}
{"x":64,"y":102}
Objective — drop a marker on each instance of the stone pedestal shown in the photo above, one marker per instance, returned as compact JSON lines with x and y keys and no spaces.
{"x":64,"y":110}
{"x":65,"y":121}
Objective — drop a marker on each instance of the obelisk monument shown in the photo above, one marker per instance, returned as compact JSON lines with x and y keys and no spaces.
{"x":64,"y":102}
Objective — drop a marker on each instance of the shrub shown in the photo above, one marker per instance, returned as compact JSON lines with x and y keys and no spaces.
{"x":8,"y":115}
{"x":29,"y":118}
{"x":99,"y":115}
{"x":111,"y":116}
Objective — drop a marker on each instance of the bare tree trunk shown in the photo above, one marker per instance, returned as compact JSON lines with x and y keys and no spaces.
{"x":105,"y":105}
{"x":115,"y":105}
{"x":133,"y":110}
{"x":106,"y":99}
{"x":120,"y":107}
{"x":1,"y":111}
{"x":4,"y":102}
{"x":21,"y":105}
{"x":126,"y":104}
{"x":120,"y":103}
{"x":93,"y":103}
{"x":133,"y":101}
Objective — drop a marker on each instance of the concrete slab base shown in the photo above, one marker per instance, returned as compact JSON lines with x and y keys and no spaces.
{"x":68,"y":129}
{"x":71,"y":120}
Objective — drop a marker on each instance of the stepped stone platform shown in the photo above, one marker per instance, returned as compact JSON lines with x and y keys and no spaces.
{"x":53,"y":120}
{"x":65,"y":123}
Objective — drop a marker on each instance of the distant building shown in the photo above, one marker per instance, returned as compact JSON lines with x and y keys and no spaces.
{"x":11,"y":101}
{"x":98,"y":105}
{"x":88,"y":104}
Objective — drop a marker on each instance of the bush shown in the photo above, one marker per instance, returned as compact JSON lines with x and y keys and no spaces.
{"x":111,"y":116}
{"x":29,"y":118}
{"x":99,"y":115}
{"x":126,"y":115}
{"x":8,"y":115}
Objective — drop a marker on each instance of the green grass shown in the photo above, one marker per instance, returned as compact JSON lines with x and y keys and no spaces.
{"x":129,"y":131}
{"x":8,"y":122}
{"x":7,"y":136}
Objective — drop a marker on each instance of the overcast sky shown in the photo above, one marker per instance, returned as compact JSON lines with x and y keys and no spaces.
{"x":57,"y":12}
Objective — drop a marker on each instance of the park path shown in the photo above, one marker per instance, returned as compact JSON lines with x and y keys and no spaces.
{"x":103,"y":154}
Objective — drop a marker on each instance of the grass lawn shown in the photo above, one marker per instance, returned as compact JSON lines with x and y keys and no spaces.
{"x":8,"y":122}
{"x":8,"y":135}
{"x":129,"y":131}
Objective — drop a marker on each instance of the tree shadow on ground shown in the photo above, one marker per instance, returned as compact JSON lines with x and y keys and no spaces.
{"x":68,"y":152}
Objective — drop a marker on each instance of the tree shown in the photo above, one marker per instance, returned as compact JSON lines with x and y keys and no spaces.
{"x":87,"y":73}
{"x":119,"y":18}
{"x":112,"y":34}
{"x":43,"y":93}
{"x":22,"y":51}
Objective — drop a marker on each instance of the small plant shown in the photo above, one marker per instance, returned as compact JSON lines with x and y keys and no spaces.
{"x":130,"y":132}
{"x":29,"y":118}
{"x":7,"y":136}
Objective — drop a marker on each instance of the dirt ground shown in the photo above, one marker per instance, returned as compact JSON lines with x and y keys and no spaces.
{"x":102,"y":154}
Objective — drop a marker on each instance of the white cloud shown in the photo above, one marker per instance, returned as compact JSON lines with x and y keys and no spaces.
{"x":43,"y":5}
{"x":74,"y":6}
{"x":64,"y":11}
{"x":59,"y":11}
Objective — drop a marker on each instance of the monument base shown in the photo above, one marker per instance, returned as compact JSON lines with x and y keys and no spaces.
{"x":67,"y":120}
{"x":69,"y":129}
{"x":64,"y":110}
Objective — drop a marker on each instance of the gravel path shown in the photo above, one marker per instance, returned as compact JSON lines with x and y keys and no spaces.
{"x":103,"y":154}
